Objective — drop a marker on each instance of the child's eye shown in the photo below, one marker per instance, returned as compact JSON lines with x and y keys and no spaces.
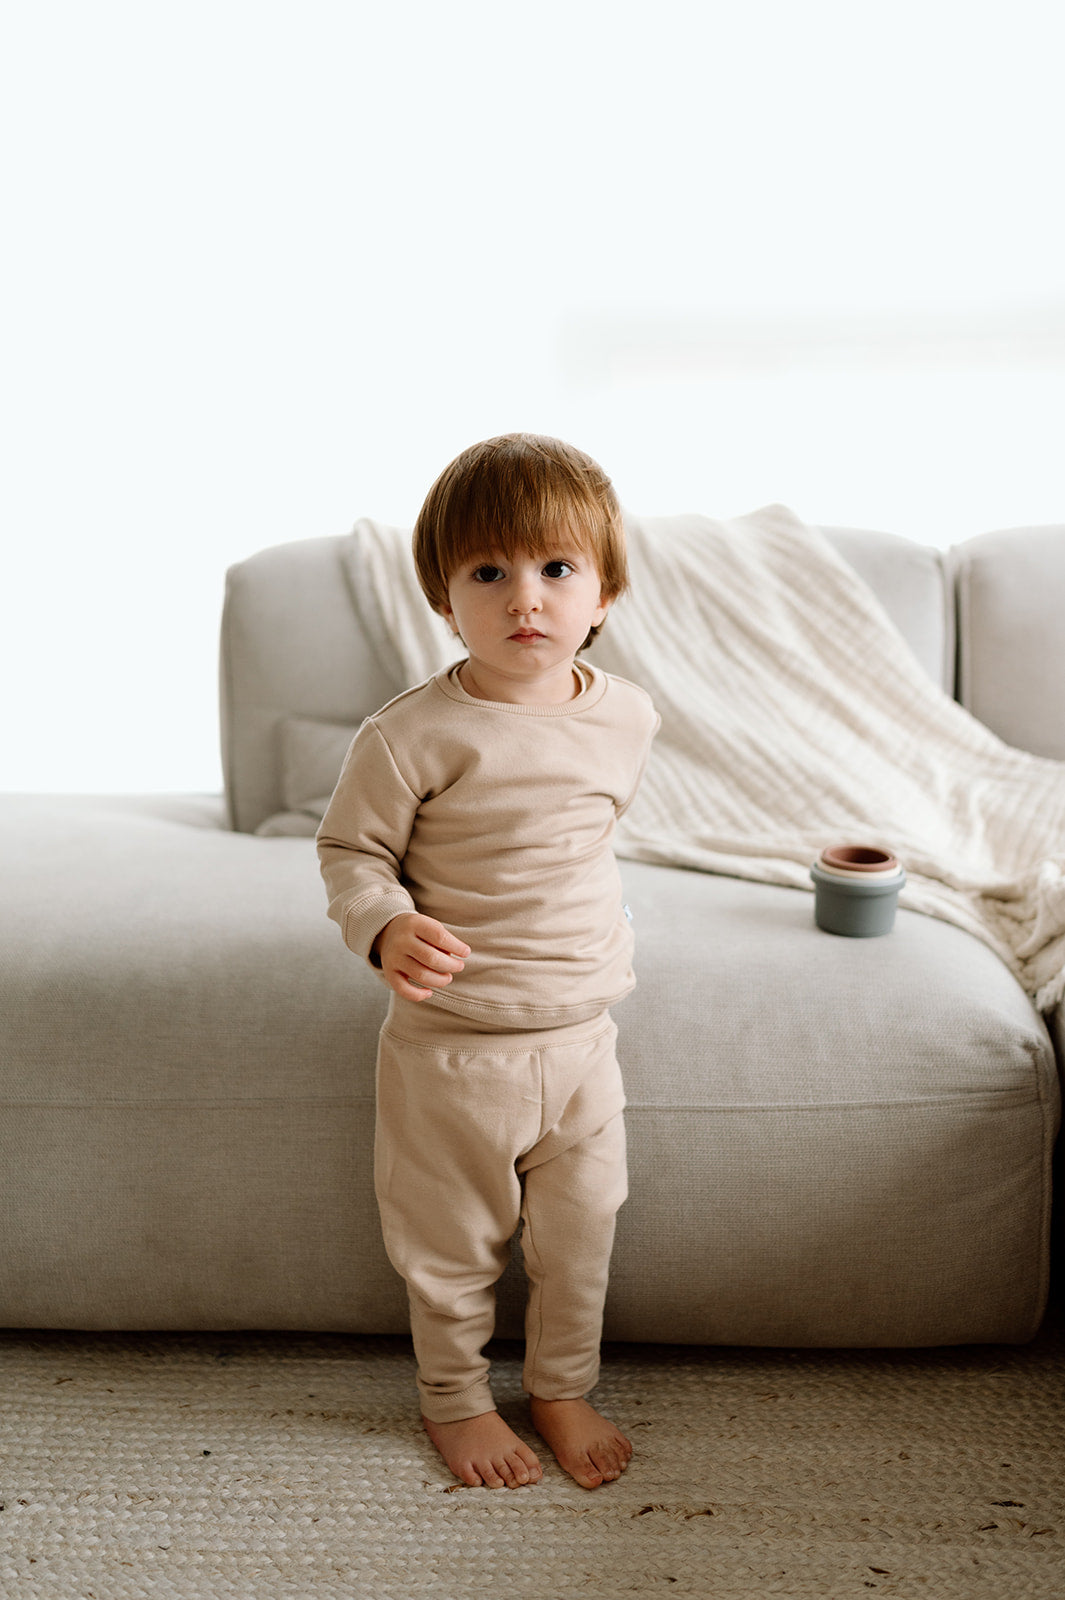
{"x":486,"y":573}
{"x":557,"y":569}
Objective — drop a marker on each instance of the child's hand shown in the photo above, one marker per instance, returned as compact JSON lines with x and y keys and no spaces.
{"x":418,"y":954}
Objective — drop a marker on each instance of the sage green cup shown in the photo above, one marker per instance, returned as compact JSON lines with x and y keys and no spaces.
{"x":856,"y":890}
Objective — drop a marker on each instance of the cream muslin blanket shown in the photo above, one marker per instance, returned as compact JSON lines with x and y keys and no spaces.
{"x":794,"y":716}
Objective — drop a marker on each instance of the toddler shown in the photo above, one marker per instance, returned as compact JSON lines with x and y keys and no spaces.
{"x":467,"y":855}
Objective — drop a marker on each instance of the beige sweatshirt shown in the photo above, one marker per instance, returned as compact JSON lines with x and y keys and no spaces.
{"x":495,"y":819}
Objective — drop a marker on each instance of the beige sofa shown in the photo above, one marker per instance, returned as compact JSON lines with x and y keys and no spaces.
{"x":833,"y":1141}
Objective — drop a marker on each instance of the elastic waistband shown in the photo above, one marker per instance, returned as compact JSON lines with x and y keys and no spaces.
{"x":420,"y":1022}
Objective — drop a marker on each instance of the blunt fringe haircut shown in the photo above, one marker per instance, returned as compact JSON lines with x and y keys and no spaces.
{"x":518,"y":493}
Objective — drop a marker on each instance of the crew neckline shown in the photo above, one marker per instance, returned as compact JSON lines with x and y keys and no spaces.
{"x":593,"y":687}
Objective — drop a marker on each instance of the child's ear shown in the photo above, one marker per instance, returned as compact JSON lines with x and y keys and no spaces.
{"x":605,"y":602}
{"x":449,"y":617}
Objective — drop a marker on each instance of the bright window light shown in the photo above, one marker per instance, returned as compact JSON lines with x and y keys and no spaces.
{"x":269,"y":267}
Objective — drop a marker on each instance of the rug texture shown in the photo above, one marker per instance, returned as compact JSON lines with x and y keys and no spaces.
{"x":184,"y":1467}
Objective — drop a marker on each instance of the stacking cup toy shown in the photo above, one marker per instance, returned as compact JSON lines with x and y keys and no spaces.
{"x":856,"y":890}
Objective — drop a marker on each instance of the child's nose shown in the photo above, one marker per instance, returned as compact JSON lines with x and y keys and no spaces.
{"x":525,"y":596}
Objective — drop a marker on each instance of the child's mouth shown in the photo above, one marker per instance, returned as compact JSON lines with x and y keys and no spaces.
{"x":526,"y":633}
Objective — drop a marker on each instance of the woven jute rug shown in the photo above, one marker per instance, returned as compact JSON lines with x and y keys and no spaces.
{"x":185,"y":1466}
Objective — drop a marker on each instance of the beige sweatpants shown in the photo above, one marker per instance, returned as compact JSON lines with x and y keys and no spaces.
{"x":476,"y":1131}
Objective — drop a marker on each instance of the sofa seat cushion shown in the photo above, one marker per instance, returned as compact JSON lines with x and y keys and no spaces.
{"x":832,"y":1141}
{"x":186,"y":1078}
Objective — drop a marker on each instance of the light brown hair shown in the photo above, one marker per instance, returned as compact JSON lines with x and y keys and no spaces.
{"x":519,"y":492}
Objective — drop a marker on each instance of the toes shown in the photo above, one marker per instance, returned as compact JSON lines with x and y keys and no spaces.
{"x":587,"y":1474}
{"x":529,"y":1471}
{"x":618,"y":1459}
{"x":517,"y":1471}
{"x":585,"y":1444}
{"x":612,"y":1456}
{"x":487,"y":1474}
{"x":608,"y":1460}
{"x":529,"y":1464}
{"x":483,"y":1453}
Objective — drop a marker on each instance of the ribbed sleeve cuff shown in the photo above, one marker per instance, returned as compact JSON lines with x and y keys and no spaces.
{"x":363,"y":920}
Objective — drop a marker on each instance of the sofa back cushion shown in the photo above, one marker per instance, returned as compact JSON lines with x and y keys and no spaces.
{"x":298,"y":674}
{"x":1010,"y":590}
{"x":291,"y":650}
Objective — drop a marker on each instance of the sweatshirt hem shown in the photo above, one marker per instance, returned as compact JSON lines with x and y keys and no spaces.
{"x":509,"y":1018}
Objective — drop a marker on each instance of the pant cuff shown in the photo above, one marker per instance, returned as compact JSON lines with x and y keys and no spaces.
{"x":456,"y":1407}
{"x":547,"y":1388}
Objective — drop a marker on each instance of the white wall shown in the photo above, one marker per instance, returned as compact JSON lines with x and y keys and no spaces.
{"x":268,"y":266}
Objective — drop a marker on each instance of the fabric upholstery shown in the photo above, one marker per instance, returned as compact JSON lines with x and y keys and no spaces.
{"x":292,"y":647}
{"x":1011,"y":659}
{"x":832,"y":1141}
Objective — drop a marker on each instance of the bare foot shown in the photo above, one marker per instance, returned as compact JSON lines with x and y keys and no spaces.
{"x":483,"y":1450}
{"x":585,"y":1444}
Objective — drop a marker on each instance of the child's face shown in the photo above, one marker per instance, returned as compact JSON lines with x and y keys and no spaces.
{"x":523,"y":618}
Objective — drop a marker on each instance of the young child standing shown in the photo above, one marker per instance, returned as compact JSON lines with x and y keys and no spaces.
{"x":467,"y":855}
